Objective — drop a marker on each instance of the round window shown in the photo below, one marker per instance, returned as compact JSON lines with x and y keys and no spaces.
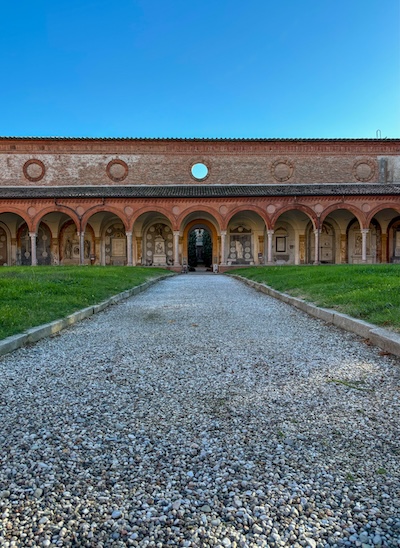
{"x":199,"y":171}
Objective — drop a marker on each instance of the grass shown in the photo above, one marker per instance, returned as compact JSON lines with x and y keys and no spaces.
{"x":31,"y":296}
{"x":368,"y":292}
{"x":350,"y":384}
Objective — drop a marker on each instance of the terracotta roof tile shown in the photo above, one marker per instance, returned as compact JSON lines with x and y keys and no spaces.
{"x":198,"y":191}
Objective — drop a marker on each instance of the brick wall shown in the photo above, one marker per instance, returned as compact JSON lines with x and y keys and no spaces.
{"x":78,"y":162}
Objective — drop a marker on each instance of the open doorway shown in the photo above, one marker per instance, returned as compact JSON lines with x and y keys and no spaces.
{"x":200,"y":249}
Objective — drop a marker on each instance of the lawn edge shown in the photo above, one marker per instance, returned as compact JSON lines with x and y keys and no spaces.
{"x":34,"y":334}
{"x":378,"y":336}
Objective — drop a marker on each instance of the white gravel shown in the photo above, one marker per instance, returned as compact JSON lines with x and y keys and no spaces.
{"x":200,"y":413}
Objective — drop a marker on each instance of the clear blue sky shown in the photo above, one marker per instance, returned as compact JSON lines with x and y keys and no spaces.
{"x":200,"y":68}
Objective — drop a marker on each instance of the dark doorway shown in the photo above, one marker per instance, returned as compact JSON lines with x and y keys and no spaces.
{"x":199,"y":248}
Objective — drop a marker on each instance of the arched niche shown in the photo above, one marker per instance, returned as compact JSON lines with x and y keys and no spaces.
{"x":44,"y":255}
{"x":328,"y":243}
{"x":245,"y":239}
{"x":69,"y":244}
{"x":113,"y":243}
{"x":5,"y":244}
{"x":154,"y":239}
{"x":393,"y":241}
{"x":373,"y":241}
{"x":289,"y":245}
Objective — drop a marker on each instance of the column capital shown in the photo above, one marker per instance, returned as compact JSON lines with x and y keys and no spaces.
{"x":33,"y":234}
{"x":317,"y":231}
{"x":223,"y":232}
{"x":270,"y":231}
{"x":364,"y":230}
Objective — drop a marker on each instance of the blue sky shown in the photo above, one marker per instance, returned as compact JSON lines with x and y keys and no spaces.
{"x":200,"y":68}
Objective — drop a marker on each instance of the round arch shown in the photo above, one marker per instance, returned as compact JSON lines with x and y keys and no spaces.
{"x":299,"y":208}
{"x":254,"y":209}
{"x":156,"y":211}
{"x":104,"y":209}
{"x":358,"y":214}
{"x":210,"y":211}
{"x":21,"y":213}
{"x":71,"y":213}
{"x":380,"y":208}
{"x":200,"y":223}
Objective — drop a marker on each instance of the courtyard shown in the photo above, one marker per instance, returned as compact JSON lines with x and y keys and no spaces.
{"x":200,"y":413}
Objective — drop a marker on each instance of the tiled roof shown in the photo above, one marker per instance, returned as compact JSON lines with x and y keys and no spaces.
{"x":205,"y":139}
{"x":198,"y":191}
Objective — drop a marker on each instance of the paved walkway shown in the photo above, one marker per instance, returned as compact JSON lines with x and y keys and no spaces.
{"x":200,"y":413}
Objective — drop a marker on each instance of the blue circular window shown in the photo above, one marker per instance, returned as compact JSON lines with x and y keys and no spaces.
{"x":199,"y":171}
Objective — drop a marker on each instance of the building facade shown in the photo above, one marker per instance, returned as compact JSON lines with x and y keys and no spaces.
{"x":135,"y":201}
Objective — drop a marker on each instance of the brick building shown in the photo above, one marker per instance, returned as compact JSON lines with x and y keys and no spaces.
{"x":135,"y":201}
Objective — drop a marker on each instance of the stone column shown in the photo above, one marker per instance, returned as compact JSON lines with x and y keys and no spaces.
{"x":32,"y":236}
{"x":270,"y":234}
{"x":384,"y":257}
{"x":317,"y":232}
{"x":81,"y":236}
{"x":364,"y":232}
{"x":176,"y":247}
{"x":128,"y":248}
{"x":343,"y":248}
{"x":223,"y":245}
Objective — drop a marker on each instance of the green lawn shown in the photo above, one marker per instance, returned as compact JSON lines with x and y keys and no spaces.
{"x":31,"y":296}
{"x":369,"y":292}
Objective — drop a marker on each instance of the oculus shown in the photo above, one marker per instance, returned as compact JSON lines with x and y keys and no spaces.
{"x":199,"y":171}
{"x":34,"y":170}
{"x":282,"y":170}
{"x":117,"y":170}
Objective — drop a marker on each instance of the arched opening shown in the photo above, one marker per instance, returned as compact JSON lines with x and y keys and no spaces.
{"x":69,"y":244}
{"x":200,"y":247}
{"x":200,"y":232}
{"x":338,"y":220}
{"x":393,"y":241}
{"x":44,"y":254}
{"x":327,"y":244}
{"x":158,"y":245}
{"x":153,"y":240}
{"x":9,"y":225}
{"x":245,"y":239}
{"x":4,"y":245}
{"x":105,"y":241}
{"x":114,"y":243}
{"x":373,"y":243}
{"x":388,"y":219}
{"x":289,"y":241}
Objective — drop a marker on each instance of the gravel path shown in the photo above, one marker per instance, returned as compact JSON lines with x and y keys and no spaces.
{"x":200,"y":413}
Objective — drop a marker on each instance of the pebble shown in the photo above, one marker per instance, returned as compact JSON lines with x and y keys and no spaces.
{"x":200,"y":413}
{"x":116,"y":514}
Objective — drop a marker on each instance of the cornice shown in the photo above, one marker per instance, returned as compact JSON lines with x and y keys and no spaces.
{"x":193,"y":146}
